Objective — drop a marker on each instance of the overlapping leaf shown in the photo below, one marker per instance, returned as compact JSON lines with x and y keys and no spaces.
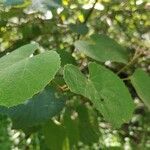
{"x":35,"y":111}
{"x":71,"y":127}
{"x":88,"y":130}
{"x":22,"y":76}
{"x":66,"y":57}
{"x":70,"y":132}
{"x":55,"y":136}
{"x":141,"y":83}
{"x":107,"y":92}
{"x":102,"y":48}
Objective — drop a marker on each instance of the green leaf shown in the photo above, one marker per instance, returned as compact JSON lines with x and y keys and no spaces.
{"x":55,"y":136}
{"x":102,"y":48}
{"x":89,"y":132}
{"x":71,"y":127}
{"x":66,"y":58}
{"x":21,"y":77}
{"x":81,"y":128}
{"x":71,"y":130}
{"x":141,"y":83}
{"x":17,"y":55}
{"x":3,"y":111}
{"x":105,"y":89}
{"x":37,"y":110}
{"x":114,"y":95}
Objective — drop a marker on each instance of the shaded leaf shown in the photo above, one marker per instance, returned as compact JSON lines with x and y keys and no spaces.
{"x":3,"y":111}
{"x":37,"y":110}
{"x":102,"y":48}
{"x":141,"y":83}
{"x":71,"y":127}
{"x":71,"y":131}
{"x":55,"y":136}
{"x":89,"y":132}
{"x":66,"y":58}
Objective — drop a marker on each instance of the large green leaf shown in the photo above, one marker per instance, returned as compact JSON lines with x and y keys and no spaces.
{"x":114,"y":95}
{"x":105,"y":89}
{"x":141,"y":83}
{"x":102,"y":48}
{"x":22,"y":76}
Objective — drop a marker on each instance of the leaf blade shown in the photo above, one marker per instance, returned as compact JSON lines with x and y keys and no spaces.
{"x":141,"y":83}
{"x":29,"y":75}
{"x":99,"y":92}
{"x":102,"y":48}
{"x":115,"y":97}
{"x":37,"y":110}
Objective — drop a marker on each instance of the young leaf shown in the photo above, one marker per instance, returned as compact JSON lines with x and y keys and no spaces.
{"x":141,"y":83}
{"x":114,"y":95}
{"x":23,"y":76}
{"x":107,"y":92}
{"x":102,"y":48}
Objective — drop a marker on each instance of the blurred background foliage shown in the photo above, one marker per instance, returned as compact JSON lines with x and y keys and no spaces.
{"x":57,"y":24}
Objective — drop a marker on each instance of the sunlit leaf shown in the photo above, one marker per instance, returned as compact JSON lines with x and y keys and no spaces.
{"x":107,"y":92}
{"x":22,"y":76}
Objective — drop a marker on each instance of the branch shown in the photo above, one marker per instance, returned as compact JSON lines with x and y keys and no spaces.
{"x":135,"y":57}
{"x":90,"y":12}
{"x":85,"y":21}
